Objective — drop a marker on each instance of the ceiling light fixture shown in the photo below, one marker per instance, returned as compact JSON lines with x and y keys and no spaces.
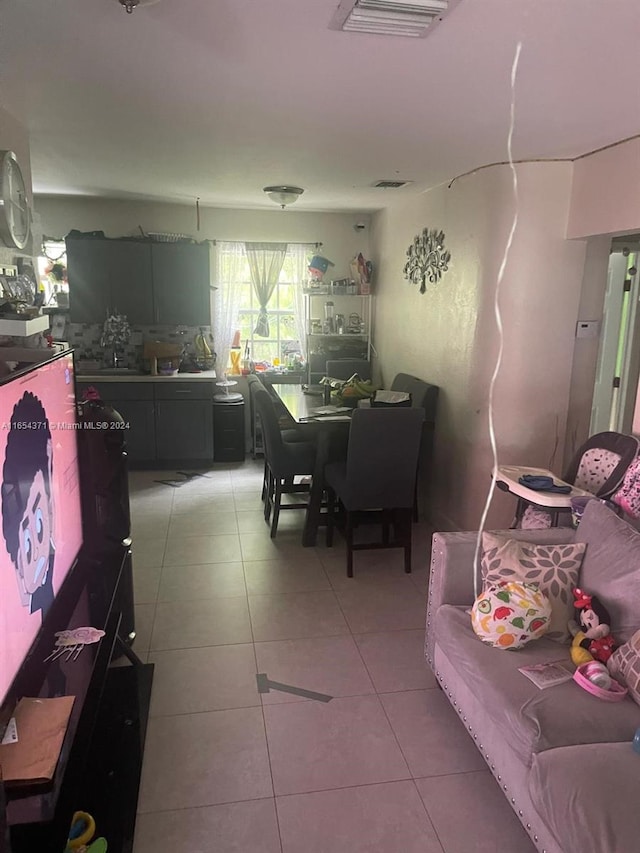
{"x":283,"y":195}
{"x":130,"y":5}
{"x":413,"y":18}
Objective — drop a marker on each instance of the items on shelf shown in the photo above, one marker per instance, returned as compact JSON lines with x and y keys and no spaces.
{"x":40,"y":726}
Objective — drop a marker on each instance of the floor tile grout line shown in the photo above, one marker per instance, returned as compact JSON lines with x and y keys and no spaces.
{"x":264,"y":720}
{"x":428,"y":816}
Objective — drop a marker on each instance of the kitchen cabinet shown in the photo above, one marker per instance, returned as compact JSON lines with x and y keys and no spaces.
{"x":150,"y":283}
{"x":109,"y":276}
{"x":134,"y":401}
{"x":170,"y":420}
{"x":184,"y":430}
{"x":181,"y":283}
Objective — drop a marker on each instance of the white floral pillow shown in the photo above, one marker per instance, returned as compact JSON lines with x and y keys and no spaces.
{"x":554,"y":568}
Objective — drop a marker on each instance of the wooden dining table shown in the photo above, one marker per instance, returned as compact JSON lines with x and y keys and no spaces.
{"x":302,"y":409}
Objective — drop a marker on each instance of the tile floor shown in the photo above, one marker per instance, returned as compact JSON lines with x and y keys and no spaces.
{"x":384,"y":767}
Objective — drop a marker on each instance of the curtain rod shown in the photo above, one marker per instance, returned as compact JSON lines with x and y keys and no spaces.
{"x":315,"y":244}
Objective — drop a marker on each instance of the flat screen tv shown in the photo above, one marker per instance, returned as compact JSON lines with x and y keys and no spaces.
{"x":39,"y":502}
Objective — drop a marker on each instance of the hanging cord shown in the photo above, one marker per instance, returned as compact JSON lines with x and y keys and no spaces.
{"x":498,"y":316}
{"x":198,"y":213}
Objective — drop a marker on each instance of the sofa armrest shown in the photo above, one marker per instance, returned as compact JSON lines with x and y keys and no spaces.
{"x":451,"y":575}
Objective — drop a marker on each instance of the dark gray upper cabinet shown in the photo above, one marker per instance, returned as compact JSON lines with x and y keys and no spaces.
{"x":181,"y":283}
{"x":109,"y":276}
{"x":88,"y":280}
{"x":150,"y":283}
{"x":130,"y":280}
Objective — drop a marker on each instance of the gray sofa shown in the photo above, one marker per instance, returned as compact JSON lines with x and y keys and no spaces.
{"x":562,"y":757}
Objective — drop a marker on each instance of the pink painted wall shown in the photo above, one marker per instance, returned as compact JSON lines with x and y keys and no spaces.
{"x":605,"y":197}
{"x":448,"y":335}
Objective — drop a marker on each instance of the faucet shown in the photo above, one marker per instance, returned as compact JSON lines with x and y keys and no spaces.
{"x":115,"y":358}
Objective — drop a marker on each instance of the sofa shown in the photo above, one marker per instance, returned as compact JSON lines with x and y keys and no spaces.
{"x":562,"y":757}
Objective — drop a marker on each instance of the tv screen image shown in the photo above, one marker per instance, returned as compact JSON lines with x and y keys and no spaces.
{"x":39,"y":503}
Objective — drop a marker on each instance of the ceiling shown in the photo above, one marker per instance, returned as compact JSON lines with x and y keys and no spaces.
{"x":218,"y":98}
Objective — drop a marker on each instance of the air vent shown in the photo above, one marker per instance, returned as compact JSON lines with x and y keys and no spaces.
{"x":390,"y":185}
{"x":413,"y":18}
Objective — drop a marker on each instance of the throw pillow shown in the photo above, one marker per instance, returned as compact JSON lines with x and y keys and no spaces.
{"x":554,"y":568}
{"x":510,"y":615}
{"x":624,"y":665}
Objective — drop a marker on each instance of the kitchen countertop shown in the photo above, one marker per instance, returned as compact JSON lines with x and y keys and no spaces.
{"x":204,"y":376}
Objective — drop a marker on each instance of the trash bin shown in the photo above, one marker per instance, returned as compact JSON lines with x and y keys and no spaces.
{"x":228,"y":428}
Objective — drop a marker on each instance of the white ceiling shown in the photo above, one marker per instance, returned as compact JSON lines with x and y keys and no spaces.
{"x":218,"y":98}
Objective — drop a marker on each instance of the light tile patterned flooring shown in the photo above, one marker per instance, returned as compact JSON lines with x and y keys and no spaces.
{"x":385,"y":767}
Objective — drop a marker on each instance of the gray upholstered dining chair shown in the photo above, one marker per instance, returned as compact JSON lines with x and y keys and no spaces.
{"x":377,"y":479}
{"x":283,"y":461}
{"x":423,"y":396}
{"x":257,"y":441}
{"x":344,"y":368}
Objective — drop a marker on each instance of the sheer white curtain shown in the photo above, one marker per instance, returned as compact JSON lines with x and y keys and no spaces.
{"x":302,"y":254}
{"x":231,"y":264}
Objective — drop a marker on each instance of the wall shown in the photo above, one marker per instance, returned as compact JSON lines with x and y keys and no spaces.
{"x":585,"y":355}
{"x":448,"y":335}
{"x":121,"y":218}
{"x":605,"y":195}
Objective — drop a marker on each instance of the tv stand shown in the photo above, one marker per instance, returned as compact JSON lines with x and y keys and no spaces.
{"x":99,"y":767}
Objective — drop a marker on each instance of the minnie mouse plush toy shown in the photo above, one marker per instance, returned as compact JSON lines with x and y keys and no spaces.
{"x":592,"y":639}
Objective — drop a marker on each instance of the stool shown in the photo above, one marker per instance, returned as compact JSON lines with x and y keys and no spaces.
{"x":228,"y":428}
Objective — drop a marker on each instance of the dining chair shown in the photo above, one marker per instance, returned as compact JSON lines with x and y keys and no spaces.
{"x":423,"y":396}
{"x":376,"y":482}
{"x":344,"y":368}
{"x":283,"y":462}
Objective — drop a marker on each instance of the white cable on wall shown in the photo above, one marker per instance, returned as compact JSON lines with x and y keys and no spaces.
{"x":498,"y":316}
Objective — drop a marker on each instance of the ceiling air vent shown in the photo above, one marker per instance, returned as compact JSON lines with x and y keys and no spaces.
{"x":391,"y":185}
{"x":412,"y":18}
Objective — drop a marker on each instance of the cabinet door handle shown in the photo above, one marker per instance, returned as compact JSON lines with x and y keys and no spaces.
{"x":183,"y":391}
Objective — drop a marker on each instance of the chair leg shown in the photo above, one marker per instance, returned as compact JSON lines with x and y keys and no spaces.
{"x":415,"y":502}
{"x":349,"y":536}
{"x":402,"y":527}
{"x":386,"y":524}
{"x":277,"y":497}
{"x":269,"y":497}
{"x":331,"y":503}
{"x":265,"y":479}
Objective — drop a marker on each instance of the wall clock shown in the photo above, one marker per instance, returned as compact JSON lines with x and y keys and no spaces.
{"x":15,"y":211}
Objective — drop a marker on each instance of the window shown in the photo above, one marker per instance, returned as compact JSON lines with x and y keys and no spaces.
{"x":52,"y":273}
{"x":285,"y":308}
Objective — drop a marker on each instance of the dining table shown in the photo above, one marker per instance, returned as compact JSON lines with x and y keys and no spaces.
{"x":321,"y":423}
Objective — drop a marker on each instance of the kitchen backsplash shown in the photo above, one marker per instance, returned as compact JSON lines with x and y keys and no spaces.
{"x":85,"y":338}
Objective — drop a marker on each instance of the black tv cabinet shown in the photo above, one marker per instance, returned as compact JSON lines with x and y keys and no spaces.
{"x":101,"y":759}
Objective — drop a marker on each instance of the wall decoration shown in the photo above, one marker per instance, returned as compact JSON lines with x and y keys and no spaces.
{"x":426,"y":258}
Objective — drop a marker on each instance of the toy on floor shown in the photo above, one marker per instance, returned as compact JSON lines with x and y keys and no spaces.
{"x":82,"y":830}
{"x":592,"y":638}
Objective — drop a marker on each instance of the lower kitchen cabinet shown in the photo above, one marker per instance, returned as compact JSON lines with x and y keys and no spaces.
{"x":170,"y":422}
{"x":184,"y":430}
{"x":140,"y":435}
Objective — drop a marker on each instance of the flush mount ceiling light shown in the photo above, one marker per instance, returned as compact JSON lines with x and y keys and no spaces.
{"x":130,"y":5}
{"x":283,"y":195}
{"x":413,"y":18}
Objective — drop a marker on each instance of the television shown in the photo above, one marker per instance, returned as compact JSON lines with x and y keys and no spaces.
{"x":40,"y":514}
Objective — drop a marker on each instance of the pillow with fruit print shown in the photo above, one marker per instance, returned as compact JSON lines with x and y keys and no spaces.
{"x":510,"y":614}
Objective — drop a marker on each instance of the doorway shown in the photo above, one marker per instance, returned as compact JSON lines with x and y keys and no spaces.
{"x":618,"y":372}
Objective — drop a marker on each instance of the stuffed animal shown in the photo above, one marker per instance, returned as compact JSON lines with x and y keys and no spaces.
{"x":592,"y":638}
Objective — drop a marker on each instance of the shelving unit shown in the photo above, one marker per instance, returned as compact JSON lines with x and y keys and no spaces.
{"x":24,"y":328}
{"x":322,"y":346}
